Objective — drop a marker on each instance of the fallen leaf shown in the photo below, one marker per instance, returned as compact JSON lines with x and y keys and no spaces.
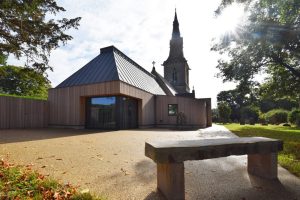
{"x":29,"y":193}
{"x":84,"y":191}
{"x":44,"y":166}
{"x":58,"y":158}
{"x":125,"y":172}
{"x":64,"y":172}
{"x":40,"y":158}
{"x":56,"y":195}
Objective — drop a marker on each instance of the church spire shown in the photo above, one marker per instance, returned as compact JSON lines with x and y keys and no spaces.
{"x":176,"y":32}
{"x":176,"y":69}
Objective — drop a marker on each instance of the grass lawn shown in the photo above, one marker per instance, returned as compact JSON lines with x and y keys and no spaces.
{"x":18,"y":182}
{"x":289,"y":158}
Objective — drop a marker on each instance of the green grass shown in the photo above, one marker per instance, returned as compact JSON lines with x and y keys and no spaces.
{"x":289,"y":158}
{"x":18,"y":182}
{"x":24,"y":97}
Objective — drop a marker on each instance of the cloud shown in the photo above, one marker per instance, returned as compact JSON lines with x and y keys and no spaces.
{"x":142,"y":30}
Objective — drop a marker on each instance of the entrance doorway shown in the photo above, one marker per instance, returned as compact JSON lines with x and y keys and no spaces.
{"x":117,"y":112}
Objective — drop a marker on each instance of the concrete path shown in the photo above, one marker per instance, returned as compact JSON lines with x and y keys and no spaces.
{"x":113,"y":164}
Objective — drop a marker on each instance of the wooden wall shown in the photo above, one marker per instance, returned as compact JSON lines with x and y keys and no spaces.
{"x":23,"y":113}
{"x":146,"y":105}
{"x":67,"y":105}
{"x":195,"y":111}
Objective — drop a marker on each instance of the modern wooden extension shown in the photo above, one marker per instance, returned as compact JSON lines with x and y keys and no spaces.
{"x":170,"y":155}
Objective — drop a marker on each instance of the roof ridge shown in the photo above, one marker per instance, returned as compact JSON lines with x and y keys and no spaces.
{"x":116,"y":50}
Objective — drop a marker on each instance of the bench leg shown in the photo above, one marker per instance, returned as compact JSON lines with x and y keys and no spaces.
{"x":170,"y":180}
{"x":263,"y":165}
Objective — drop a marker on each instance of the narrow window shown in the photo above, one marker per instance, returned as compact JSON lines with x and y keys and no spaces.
{"x":172,"y":109}
{"x":174,"y":75}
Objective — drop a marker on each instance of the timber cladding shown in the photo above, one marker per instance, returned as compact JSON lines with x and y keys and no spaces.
{"x":18,"y":112}
{"x":195,"y":111}
{"x":68,"y":104}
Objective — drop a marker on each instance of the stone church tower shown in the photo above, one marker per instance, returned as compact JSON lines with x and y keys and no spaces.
{"x":176,"y":68}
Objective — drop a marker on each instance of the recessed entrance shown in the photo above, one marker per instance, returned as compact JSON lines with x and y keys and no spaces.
{"x":116,"y":112}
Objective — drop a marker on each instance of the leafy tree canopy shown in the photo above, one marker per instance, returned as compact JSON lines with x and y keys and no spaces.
{"x":280,"y":84}
{"x":27,"y":30}
{"x":224,"y":112}
{"x":269,"y":41}
{"x":23,"y":81}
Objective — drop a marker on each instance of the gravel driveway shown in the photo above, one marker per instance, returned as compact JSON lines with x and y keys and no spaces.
{"x":113,"y":164}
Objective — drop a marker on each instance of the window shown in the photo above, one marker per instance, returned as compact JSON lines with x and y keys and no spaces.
{"x":174,"y":75}
{"x":172,"y":109}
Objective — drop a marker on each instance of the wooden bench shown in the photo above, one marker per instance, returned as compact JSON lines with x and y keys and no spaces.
{"x":170,"y":155}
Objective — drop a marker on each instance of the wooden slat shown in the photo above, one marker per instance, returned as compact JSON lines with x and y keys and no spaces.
{"x":22,"y":113}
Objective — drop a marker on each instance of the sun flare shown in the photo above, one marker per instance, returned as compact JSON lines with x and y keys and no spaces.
{"x":230,"y":18}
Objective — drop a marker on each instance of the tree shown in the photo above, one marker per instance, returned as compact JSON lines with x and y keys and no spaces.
{"x":23,"y":81}
{"x":249,"y":113}
{"x":215,"y":115}
{"x":234,"y":100}
{"x":281,"y":84}
{"x":245,"y":94}
{"x":224,"y":112}
{"x":268,"y":42}
{"x":27,"y":29}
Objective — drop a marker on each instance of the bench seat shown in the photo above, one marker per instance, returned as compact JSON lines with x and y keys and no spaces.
{"x":170,"y":155}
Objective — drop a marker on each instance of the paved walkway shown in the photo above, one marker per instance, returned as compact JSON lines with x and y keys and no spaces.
{"x":113,"y":164}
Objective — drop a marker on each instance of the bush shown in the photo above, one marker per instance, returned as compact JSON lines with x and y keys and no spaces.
{"x":294,"y":117}
{"x":262,"y":118}
{"x":277,"y":116}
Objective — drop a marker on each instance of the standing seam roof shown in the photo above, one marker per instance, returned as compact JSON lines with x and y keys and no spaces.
{"x":113,"y":65}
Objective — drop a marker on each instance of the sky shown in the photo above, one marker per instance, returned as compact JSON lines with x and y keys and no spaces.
{"x":142,"y":30}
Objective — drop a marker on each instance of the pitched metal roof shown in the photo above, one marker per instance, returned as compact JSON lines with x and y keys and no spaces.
{"x":112,"y":65}
{"x":164,"y":84}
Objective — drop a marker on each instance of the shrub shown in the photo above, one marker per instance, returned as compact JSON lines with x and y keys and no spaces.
{"x":277,"y":116}
{"x":262,"y":118}
{"x":294,"y":117}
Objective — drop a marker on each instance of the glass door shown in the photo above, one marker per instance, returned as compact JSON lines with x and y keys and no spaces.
{"x":101,"y":113}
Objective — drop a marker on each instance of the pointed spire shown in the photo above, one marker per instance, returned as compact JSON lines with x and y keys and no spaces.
{"x":176,"y":32}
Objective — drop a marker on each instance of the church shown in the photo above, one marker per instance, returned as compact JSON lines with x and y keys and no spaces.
{"x":114,"y":92}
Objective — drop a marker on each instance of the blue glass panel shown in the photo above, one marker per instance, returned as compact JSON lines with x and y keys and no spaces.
{"x":103,"y":101}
